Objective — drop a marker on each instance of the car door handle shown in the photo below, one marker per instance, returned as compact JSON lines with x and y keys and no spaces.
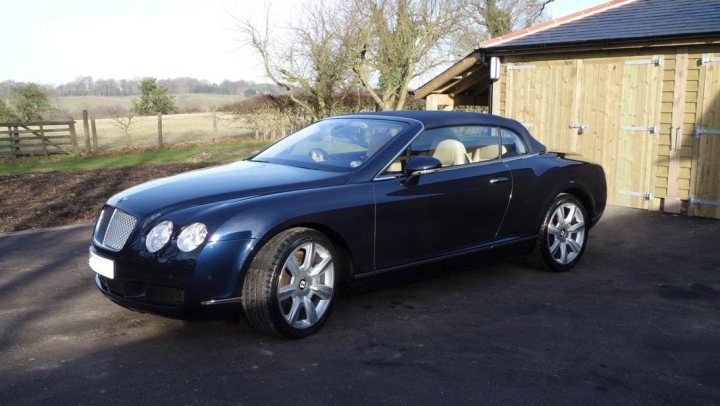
{"x":495,"y":181}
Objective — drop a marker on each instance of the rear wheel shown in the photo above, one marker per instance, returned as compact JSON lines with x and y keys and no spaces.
{"x":290,"y":286}
{"x":563,"y":234}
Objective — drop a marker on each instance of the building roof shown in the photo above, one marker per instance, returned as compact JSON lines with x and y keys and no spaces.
{"x":618,"y":21}
{"x":613,"y":23}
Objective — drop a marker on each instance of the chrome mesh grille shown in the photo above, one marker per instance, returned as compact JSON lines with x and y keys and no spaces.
{"x":114,"y":228}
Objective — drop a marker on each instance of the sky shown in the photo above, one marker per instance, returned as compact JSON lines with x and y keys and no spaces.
{"x":55,"y":41}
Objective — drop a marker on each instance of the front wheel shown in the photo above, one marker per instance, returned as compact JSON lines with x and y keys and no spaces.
{"x":289,"y":288}
{"x":563,"y":234}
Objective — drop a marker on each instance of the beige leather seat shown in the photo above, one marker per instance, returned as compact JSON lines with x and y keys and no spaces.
{"x":451,"y":152}
{"x":486,"y":153}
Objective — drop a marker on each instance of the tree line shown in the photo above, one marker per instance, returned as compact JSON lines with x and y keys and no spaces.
{"x":87,"y":86}
{"x":32,"y":102}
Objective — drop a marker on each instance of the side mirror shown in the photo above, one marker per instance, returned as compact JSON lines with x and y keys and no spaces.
{"x":422,"y":163}
{"x":419,"y":165}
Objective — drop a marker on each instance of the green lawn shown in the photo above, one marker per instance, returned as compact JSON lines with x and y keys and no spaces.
{"x":210,"y":153}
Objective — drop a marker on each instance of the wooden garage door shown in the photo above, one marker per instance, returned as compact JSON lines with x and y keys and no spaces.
{"x":540,"y":95}
{"x":603,"y":110}
{"x":706,"y":196}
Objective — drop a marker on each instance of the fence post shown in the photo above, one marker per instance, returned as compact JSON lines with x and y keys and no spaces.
{"x":73,"y":135}
{"x":15,"y":136}
{"x":214,"y":117}
{"x":43,"y":140}
{"x":160,"y":140}
{"x":86,"y":130}
{"x":94,"y":134}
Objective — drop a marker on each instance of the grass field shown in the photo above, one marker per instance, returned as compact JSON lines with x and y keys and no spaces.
{"x":177,"y":128}
{"x":208,"y":153}
{"x":201,"y":101}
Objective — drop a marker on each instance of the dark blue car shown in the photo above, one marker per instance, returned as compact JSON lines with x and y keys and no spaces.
{"x":343,"y":200}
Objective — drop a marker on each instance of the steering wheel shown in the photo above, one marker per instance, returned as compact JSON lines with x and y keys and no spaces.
{"x":318,"y":155}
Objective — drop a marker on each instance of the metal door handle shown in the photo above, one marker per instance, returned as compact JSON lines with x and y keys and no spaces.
{"x":499,"y":180}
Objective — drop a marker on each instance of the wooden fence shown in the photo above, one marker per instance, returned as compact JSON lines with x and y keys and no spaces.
{"x":38,"y":138}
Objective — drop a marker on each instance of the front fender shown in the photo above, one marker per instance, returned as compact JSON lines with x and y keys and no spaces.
{"x":346,"y":211}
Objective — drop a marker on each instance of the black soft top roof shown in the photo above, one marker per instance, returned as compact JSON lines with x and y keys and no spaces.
{"x":436,"y":119}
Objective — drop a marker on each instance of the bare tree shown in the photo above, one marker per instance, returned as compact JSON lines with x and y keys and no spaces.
{"x":123,"y":120}
{"x":399,"y":40}
{"x":310,"y":60}
{"x":493,"y":18}
{"x":382,"y":44}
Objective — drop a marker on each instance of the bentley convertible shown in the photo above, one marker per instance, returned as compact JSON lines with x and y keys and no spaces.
{"x":343,"y":200}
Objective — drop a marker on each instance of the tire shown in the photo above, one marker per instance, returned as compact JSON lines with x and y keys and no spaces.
{"x":290,"y":287}
{"x":563,"y":235}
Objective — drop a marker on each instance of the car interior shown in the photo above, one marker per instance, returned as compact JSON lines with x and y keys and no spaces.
{"x":462,"y":145}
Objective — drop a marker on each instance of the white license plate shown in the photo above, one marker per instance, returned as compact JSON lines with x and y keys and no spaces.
{"x":103,"y":266}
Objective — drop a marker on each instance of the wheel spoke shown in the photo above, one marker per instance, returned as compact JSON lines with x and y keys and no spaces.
{"x":554,"y":247}
{"x":285,"y":292}
{"x":563,"y":253}
{"x":574,"y":246}
{"x":292,"y":315}
{"x":309,"y":257}
{"x":559,"y":216}
{"x":553,"y":230}
{"x":292,"y":265}
{"x":310,"y":310}
{"x":322,"y":267}
{"x":577,"y":227}
{"x":324,"y":292}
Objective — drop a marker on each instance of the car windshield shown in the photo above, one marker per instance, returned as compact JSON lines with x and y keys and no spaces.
{"x":336,"y":144}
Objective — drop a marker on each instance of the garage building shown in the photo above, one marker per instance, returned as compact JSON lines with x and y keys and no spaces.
{"x":631,"y":84}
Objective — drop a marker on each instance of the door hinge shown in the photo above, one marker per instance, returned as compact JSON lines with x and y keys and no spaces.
{"x":695,"y":201}
{"x":708,"y":59}
{"x":644,"y":195}
{"x":580,"y":128}
{"x":651,"y":129}
{"x":657,"y":61}
{"x":705,"y":131}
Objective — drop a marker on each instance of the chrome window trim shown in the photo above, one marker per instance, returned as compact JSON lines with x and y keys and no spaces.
{"x":514,"y":158}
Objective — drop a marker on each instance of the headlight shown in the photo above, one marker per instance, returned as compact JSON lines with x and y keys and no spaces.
{"x":192,"y":236}
{"x":159,"y":236}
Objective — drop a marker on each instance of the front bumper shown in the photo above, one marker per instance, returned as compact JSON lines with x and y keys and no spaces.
{"x":177,"y":285}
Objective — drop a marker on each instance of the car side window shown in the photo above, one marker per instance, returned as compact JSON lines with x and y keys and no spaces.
{"x":452,"y":146}
{"x":512,"y":144}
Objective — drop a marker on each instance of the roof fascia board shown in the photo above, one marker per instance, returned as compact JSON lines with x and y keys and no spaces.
{"x":443,"y":78}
